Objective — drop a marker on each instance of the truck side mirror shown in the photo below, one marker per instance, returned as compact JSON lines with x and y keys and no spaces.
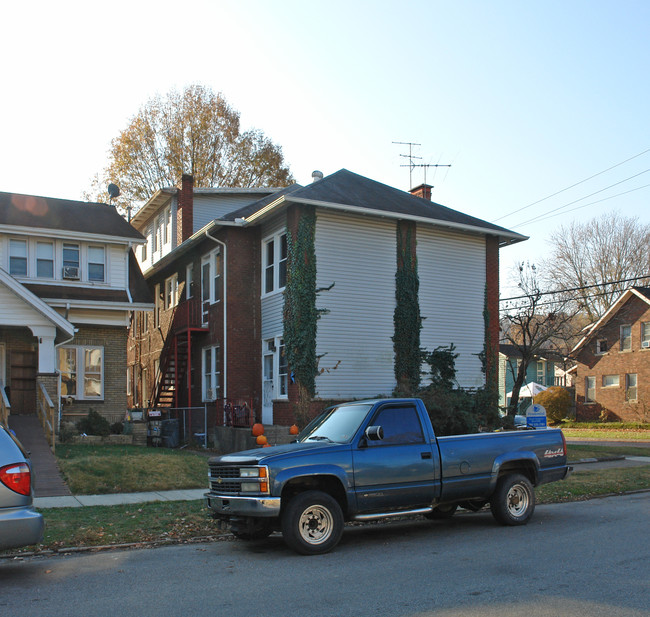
{"x":375,"y":433}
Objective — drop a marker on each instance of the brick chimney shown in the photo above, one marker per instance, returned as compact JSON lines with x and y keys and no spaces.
{"x":423,"y":190}
{"x":185,"y":212}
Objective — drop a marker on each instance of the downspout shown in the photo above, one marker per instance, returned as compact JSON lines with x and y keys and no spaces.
{"x":225,"y":311}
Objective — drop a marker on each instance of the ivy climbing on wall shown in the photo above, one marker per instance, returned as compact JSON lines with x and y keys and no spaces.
{"x":300,"y":312}
{"x":407,"y":319}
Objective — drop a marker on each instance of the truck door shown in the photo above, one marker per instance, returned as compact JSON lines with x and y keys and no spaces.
{"x":399,"y":471}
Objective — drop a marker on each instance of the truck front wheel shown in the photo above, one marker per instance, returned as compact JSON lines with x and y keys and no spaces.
{"x":312,"y":523}
{"x":513,"y":502}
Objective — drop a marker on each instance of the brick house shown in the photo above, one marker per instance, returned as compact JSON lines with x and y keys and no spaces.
{"x":613,"y":362}
{"x":69,"y":282}
{"x":216,"y":260}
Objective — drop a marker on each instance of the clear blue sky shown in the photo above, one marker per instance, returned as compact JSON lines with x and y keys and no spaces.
{"x":523,"y":99}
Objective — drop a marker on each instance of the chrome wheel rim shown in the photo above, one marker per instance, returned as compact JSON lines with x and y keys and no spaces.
{"x":517,"y":500}
{"x":316,"y":524}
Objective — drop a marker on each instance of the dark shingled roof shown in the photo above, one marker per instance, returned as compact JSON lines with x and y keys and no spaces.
{"x":64,"y":214}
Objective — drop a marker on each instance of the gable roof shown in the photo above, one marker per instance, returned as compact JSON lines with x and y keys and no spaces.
{"x":345,"y":190}
{"x":33,"y":212}
{"x":642,"y":293}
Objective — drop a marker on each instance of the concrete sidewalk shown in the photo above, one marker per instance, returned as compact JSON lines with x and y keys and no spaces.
{"x":78,"y":501}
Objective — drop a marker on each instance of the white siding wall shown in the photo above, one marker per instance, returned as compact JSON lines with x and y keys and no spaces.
{"x":14,"y":311}
{"x":358,"y":255}
{"x":451,"y":269}
{"x":210,"y":207}
{"x":116,"y":266}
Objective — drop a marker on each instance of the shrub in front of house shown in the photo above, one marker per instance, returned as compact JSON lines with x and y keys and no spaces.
{"x":556,"y":401}
{"x":94,"y":424}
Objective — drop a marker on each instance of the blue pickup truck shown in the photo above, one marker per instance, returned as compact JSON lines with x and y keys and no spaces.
{"x":373,"y":459}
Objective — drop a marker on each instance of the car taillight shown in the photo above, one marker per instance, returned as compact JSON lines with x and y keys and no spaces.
{"x":17,"y":477}
{"x":563,"y":442}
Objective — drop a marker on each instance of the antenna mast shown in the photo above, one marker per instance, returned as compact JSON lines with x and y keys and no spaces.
{"x":411,"y":165}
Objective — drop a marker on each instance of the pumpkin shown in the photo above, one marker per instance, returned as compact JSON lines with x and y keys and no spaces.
{"x":261,"y":440}
{"x":294,"y":430}
{"x":258,"y":429}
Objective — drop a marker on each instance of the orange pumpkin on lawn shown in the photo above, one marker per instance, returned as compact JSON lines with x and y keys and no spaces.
{"x":261,"y":440}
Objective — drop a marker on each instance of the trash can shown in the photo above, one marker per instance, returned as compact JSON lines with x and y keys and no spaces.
{"x":170,"y":434}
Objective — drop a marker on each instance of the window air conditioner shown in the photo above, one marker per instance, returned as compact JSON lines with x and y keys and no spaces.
{"x":71,"y":272}
{"x":209,"y":394}
{"x":645,"y":344}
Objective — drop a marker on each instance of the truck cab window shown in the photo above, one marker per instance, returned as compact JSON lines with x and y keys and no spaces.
{"x":401,"y":426}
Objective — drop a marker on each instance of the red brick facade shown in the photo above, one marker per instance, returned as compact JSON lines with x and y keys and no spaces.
{"x":609,"y":369}
{"x":492,"y":311}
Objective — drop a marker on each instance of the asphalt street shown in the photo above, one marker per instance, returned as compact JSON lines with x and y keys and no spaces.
{"x":575,"y":560}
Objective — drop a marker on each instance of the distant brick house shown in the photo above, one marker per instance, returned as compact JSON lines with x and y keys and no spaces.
{"x":216,"y":260}
{"x":69,"y":282}
{"x":613,"y":362}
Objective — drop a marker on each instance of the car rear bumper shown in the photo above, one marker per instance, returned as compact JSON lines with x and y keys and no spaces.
{"x":227,"y":505}
{"x":20,"y":527}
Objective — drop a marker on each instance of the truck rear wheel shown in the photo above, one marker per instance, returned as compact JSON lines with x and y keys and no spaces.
{"x":313,"y":523}
{"x":513,"y":502}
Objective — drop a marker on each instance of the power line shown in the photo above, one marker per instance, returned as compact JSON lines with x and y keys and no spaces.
{"x":573,"y":185}
{"x":559,"y":291}
{"x":545,"y":214}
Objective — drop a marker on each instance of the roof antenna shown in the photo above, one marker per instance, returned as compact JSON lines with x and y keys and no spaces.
{"x":410,"y":157}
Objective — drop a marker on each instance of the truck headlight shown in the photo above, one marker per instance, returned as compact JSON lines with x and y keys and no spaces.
{"x":250,"y":472}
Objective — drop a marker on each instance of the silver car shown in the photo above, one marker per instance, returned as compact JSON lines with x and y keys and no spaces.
{"x":20,"y":524}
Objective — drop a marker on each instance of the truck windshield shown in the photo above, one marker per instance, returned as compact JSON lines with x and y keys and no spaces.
{"x":337,"y":425}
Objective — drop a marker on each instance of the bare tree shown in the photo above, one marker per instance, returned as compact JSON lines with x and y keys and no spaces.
{"x":538,"y":321}
{"x":590,"y":254}
{"x":194,"y":131}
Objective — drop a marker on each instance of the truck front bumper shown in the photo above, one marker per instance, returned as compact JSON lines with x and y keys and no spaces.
{"x":228,"y":505}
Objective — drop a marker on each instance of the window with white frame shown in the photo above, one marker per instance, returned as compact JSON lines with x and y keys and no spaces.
{"x":611,"y":381}
{"x":167,"y":226}
{"x":601,"y":346}
{"x":590,"y":389}
{"x":630,"y":388}
{"x":541,"y":372}
{"x":45,"y":260}
{"x":645,"y":334}
{"x":211,"y":373}
{"x":156,"y":305}
{"x":626,"y":338}
{"x":274,"y":263}
{"x":18,"y":257}
{"x":275,"y":370}
{"x":156,"y":234}
{"x":70,"y":255}
{"x":210,"y":280}
{"x":96,"y":264}
{"x":189,"y":277}
{"x":82,"y":372}
{"x":171,"y":291}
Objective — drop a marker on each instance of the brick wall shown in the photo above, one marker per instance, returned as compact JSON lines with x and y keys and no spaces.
{"x":610,"y":401}
{"x":492,"y":306}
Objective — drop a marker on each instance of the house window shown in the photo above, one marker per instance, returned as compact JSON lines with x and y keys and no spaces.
{"x":171,"y":291}
{"x":630,"y":388}
{"x":82,"y":372}
{"x":167,"y":226}
{"x":71,"y":256}
{"x":274,"y":256}
{"x":156,"y":305}
{"x":156,"y":234}
{"x":144,"y":251}
{"x":601,"y":346}
{"x":590,"y":389}
{"x":189,"y":277}
{"x":541,"y":372}
{"x":611,"y":381}
{"x":96,"y":263}
{"x":129,"y":380}
{"x":18,"y":257}
{"x":626,"y":338}
{"x":645,"y":334}
{"x":211,"y":374}
{"x":210,"y":281}
{"x":45,"y":260}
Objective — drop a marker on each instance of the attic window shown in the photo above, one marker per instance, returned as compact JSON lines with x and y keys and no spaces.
{"x":601,"y":346}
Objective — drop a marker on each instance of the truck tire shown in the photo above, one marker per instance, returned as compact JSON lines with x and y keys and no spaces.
{"x":312,"y":523}
{"x":513,"y":502}
{"x":442,"y":512}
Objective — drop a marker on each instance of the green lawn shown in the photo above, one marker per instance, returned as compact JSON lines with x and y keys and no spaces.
{"x":100,"y":469}
{"x":606,"y":434}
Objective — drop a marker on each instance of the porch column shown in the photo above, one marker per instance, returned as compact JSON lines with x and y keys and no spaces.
{"x":46,"y":349}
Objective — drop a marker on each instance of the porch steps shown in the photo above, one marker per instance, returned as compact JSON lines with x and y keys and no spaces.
{"x":47,"y":480}
{"x":278,"y":435}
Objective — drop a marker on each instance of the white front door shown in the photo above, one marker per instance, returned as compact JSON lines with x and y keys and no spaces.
{"x":274,"y":376}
